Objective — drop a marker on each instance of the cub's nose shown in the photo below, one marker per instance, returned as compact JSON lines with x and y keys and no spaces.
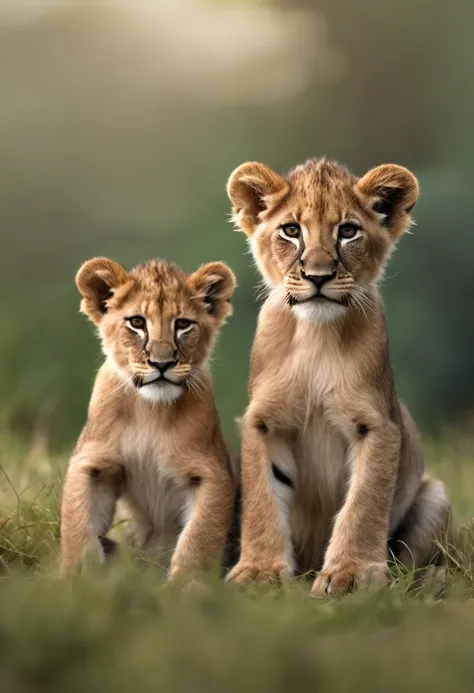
{"x":319,"y":277}
{"x":162,"y":366}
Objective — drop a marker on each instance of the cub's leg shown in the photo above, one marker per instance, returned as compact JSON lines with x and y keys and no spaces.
{"x":208,"y":519}
{"x":267,"y":478}
{"x":357,"y":553}
{"x":91,"y":490}
{"x":426,"y":522}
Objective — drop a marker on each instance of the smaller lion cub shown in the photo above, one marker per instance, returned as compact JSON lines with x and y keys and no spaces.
{"x":152,"y":439}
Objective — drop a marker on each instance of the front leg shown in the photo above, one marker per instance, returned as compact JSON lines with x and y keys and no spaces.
{"x":91,"y":489}
{"x":266,"y":551}
{"x":210,"y":511}
{"x":357,"y":553}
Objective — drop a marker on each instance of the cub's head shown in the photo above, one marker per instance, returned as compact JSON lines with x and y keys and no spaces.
{"x":156,"y":324}
{"x":321,"y":235}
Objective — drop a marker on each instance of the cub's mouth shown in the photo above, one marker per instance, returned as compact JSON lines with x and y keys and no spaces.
{"x":315,"y":299}
{"x":160,"y":381}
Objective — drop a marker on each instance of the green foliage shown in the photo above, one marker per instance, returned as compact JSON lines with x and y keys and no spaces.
{"x":129,"y":633}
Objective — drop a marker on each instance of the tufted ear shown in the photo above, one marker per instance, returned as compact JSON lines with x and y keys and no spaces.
{"x":213,"y":284}
{"x":254,"y":189}
{"x":96,"y":280}
{"x":392,"y":191}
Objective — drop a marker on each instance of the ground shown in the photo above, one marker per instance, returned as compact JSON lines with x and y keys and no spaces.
{"x":125,"y":630}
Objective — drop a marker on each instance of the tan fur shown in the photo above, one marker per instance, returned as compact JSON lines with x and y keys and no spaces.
{"x":332,"y":466}
{"x":161,"y":454}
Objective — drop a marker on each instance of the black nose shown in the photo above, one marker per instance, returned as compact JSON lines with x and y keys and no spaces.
{"x":319,"y":279}
{"x":162,"y":366}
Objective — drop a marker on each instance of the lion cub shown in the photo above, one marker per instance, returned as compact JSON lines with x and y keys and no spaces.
{"x":152,"y":437}
{"x":332,"y":467}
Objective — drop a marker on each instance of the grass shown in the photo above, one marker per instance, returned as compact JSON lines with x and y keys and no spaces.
{"x":125,"y":630}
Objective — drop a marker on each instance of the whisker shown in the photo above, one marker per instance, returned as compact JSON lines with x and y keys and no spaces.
{"x":137,"y":380}
{"x":121,"y":385}
{"x":193,"y":382}
{"x":362,"y":299}
{"x":392,"y":276}
{"x":200,"y":381}
{"x":262,"y":290}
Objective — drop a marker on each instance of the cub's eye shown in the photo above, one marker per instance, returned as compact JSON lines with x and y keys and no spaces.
{"x":137,"y":322}
{"x":348,"y":231}
{"x":291,"y":230}
{"x":182,"y":324}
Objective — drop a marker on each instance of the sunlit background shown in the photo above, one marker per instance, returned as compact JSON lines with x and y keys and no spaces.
{"x":121,"y":121}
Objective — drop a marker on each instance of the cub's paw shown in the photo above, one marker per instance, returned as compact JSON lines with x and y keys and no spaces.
{"x":186,"y":577}
{"x":339,"y":579}
{"x":246,"y":572}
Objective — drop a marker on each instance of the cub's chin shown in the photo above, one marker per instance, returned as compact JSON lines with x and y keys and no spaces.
{"x":319,"y":311}
{"x":161,"y":392}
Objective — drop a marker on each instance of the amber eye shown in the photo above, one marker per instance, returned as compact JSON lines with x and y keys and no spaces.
{"x":182,"y":323}
{"x":137,"y":322}
{"x":348,"y":231}
{"x":291,"y":230}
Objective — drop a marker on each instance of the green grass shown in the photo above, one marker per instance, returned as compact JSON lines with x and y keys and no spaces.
{"x":124,"y":629}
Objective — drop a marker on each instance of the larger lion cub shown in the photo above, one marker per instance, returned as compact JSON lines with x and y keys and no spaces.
{"x":332,"y":467}
{"x":152,"y":437}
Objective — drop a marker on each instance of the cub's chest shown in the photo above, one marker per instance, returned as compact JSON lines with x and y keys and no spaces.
{"x":314,"y":373}
{"x":151,"y":473}
{"x":156,"y":494}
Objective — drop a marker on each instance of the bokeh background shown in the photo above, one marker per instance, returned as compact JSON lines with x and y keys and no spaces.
{"x":121,"y":121}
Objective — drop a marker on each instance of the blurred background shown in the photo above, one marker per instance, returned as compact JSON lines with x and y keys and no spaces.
{"x":121,"y":121}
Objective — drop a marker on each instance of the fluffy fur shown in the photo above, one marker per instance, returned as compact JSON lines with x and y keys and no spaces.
{"x":332,"y":469}
{"x":152,"y":440}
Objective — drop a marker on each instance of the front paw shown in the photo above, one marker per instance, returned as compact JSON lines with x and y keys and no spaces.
{"x":185,"y":574}
{"x":253,"y":572}
{"x":338,"y":579}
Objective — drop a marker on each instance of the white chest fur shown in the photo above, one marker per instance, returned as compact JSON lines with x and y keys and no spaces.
{"x":157,"y":496}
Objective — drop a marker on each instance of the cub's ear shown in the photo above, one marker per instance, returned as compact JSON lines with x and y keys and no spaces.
{"x":213,"y":284}
{"x":254,"y":189}
{"x":392,"y":191}
{"x":96,"y":280}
